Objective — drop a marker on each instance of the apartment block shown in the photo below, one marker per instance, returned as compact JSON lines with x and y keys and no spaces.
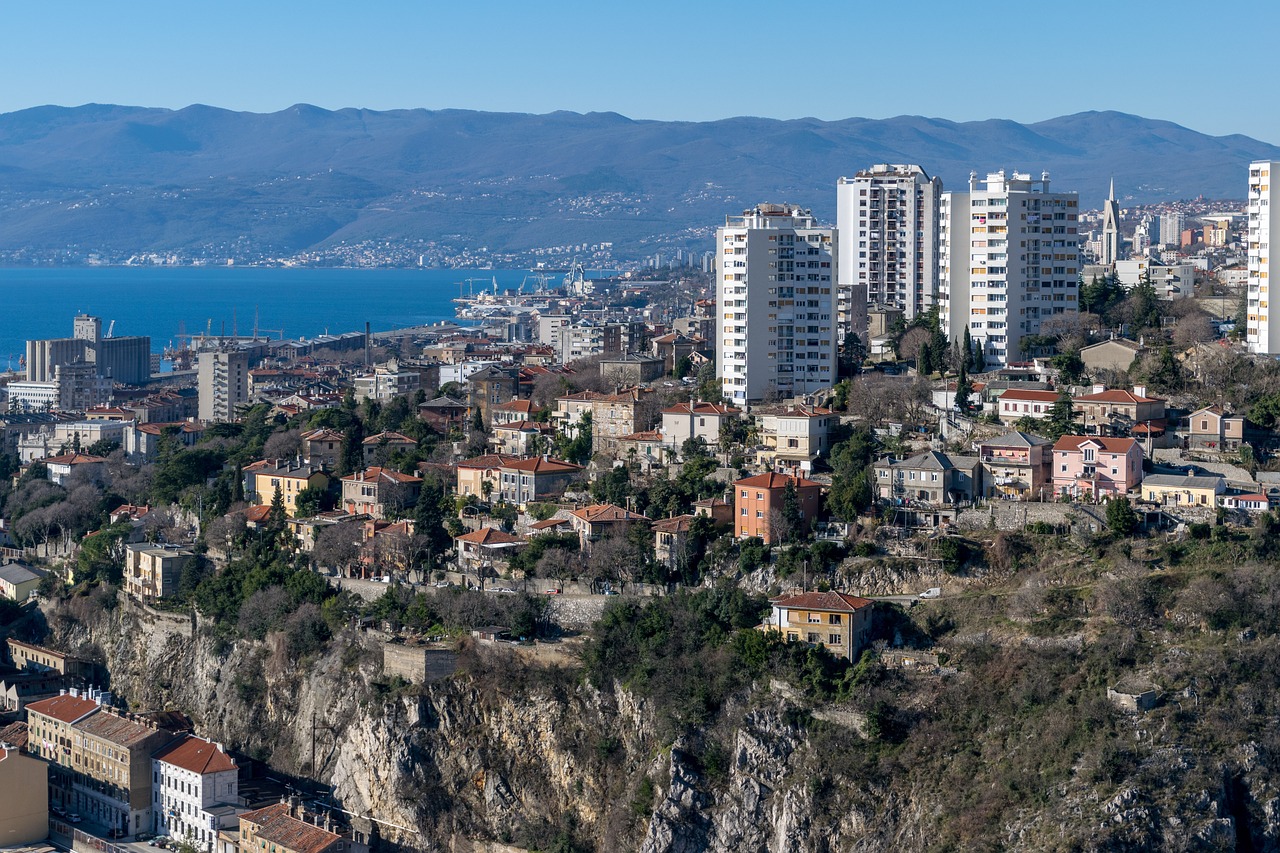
{"x":1262,"y":330}
{"x":1010,"y":259}
{"x":223,"y":380}
{"x":888,"y":221}
{"x":774,"y":287}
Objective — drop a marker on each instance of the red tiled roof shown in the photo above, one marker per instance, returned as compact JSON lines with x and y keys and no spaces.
{"x":378,"y":474}
{"x":835,"y":601}
{"x":73,"y":459}
{"x":66,"y":708}
{"x":388,"y":436}
{"x":116,"y":729}
{"x":257,"y":514}
{"x":719,"y":409}
{"x":197,"y":755}
{"x":14,"y":734}
{"x":275,"y":825}
{"x":548,"y":524}
{"x":597,"y":513}
{"x":1030,"y":396}
{"x":675,"y":524}
{"x":1111,"y":445}
{"x":490,"y":536}
{"x":526,"y":406}
{"x":488,"y":460}
{"x":774,"y":480}
{"x":1116,"y":395}
{"x":647,"y":435}
{"x":322,"y":435}
{"x":523,"y":426}
{"x":541,"y":465}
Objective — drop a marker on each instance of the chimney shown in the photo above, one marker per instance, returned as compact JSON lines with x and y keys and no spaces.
{"x":1098,"y":388}
{"x":1139,"y":390}
{"x":220,"y":747}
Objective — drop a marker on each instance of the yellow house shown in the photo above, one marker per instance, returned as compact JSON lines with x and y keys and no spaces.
{"x":18,"y":581}
{"x":261,"y":479}
{"x":834,"y":620}
{"x":1176,"y":490}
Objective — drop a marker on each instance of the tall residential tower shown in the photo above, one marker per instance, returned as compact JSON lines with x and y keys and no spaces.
{"x":888,"y":221}
{"x":774,"y":305}
{"x":1010,"y":258}
{"x":1263,"y":330}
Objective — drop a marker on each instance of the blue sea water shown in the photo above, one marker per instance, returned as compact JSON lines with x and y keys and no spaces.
{"x":160,"y":301}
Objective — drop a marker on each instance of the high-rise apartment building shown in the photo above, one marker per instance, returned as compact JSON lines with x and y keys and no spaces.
{"x":775,"y":326}
{"x":222,"y":378}
{"x":1010,"y":258}
{"x":888,"y":221}
{"x":1171,"y":227}
{"x":1262,"y":330}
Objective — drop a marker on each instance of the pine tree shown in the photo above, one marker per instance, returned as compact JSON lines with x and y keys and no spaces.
{"x":924,"y":360}
{"x":964,"y":389}
{"x":968,"y":350}
{"x":979,"y":358}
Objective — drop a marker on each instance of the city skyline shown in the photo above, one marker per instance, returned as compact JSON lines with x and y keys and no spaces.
{"x":571,"y":56}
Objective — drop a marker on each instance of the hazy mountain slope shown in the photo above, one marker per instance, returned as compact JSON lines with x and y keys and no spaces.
{"x":125,"y":179}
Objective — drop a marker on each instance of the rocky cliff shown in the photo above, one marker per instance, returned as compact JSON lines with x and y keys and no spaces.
{"x":514,"y":755}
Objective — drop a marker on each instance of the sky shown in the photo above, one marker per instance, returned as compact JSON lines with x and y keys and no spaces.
{"x":1186,"y":62}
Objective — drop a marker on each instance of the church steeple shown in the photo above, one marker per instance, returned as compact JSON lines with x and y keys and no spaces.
{"x":1112,"y":195}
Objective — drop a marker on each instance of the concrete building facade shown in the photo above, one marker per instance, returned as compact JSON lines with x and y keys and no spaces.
{"x":1010,"y":258}
{"x":774,"y":288}
{"x":888,"y":221}
{"x":1263,"y":330}
{"x":223,"y":379}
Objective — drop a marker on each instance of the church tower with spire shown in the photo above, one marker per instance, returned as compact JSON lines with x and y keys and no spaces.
{"x":1111,"y":228}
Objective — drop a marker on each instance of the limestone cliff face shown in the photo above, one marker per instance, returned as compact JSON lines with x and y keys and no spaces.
{"x":506,"y":756}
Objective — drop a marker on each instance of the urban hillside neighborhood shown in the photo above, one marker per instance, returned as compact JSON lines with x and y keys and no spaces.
{"x":866,"y":488}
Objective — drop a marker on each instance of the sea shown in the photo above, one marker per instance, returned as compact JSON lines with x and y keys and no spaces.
{"x":164,"y":302}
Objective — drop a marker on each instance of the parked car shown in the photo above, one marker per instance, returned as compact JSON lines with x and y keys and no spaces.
{"x":932,"y":592}
{"x":72,"y":817}
{"x":553,"y":592}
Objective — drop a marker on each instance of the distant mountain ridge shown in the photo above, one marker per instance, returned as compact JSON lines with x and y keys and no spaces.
{"x":119,"y":179}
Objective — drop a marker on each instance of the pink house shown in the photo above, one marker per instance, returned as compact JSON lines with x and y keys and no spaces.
{"x":1095,"y":466}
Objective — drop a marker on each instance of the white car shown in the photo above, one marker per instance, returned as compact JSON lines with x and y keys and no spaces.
{"x":932,"y":592}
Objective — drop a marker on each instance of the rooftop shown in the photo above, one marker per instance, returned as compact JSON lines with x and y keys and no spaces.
{"x":832,"y":601}
{"x":197,"y":755}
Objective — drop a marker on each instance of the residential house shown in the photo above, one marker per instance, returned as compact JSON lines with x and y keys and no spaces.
{"x":514,"y":411}
{"x":684,"y":421}
{"x":287,"y":476}
{"x":386,"y":382}
{"x":672,"y":348}
{"x":1250,"y":503}
{"x":29,"y":656}
{"x":759,"y":503}
{"x":20,"y":689}
{"x":599,"y":521}
{"x":792,"y":439}
{"x":648,"y":448}
{"x":379,"y":492}
{"x":51,"y":737}
{"x":671,"y":540}
{"x":837,"y":621}
{"x":1177,"y":490}
{"x":322,"y":447}
{"x":521,"y":438}
{"x":18,"y":581}
{"x":111,"y":758}
{"x":1213,"y":429}
{"x":443,"y":414}
{"x":631,"y":368}
{"x":1117,"y":354}
{"x":515,"y":480}
{"x":486,"y":548}
{"x":1016,"y":466}
{"x":196,"y":791}
{"x":1118,"y":412}
{"x":141,"y":442}
{"x":573,"y":410}
{"x":719,"y":510}
{"x":59,"y":468}
{"x":931,"y":478}
{"x":278,"y":829}
{"x":616,"y":415}
{"x":152,"y":571}
{"x":24,"y":820}
{"x":490,"y":387}
{"x":1096,"y":466}
{"x":1016,"y":403}
{"x":378,"y":449}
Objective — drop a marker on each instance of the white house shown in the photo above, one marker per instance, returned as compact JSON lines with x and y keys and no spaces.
{"x":195,"y":789}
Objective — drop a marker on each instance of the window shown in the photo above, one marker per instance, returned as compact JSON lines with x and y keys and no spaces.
{"x":833,"y":619}
{"x":812,"y":637}
{"x":833,"y":639}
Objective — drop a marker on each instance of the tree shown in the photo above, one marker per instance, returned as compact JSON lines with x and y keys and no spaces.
{"x":1120,"y":516}
{"x":925,"y":365}
{"x":312,"y":501}
{"x":851,"y":478}
{"x":968,"y":350}
{"x":964,"y":390}
{"x":431,"y":537}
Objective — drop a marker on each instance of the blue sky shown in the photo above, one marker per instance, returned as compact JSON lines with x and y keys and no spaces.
{"x":1187,"y":62}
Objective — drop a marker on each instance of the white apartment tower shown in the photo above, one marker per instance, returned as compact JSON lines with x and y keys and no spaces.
{"x":888,"y":221}
{"x":1010,"y":258}
{"x":775,"y":332}
{"x":1171,"y":227}
{"x":1263,"y":330}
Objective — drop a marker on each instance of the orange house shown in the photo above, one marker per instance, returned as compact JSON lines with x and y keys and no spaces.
{"x":758,"y":503}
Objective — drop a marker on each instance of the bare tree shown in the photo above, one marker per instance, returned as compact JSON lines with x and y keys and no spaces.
{"x":1194,"y":328}
{"x":337,"y":547}
{"x":283,"y":445}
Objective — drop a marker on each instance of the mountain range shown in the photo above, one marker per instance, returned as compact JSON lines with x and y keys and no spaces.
{"x":203,"y":181}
